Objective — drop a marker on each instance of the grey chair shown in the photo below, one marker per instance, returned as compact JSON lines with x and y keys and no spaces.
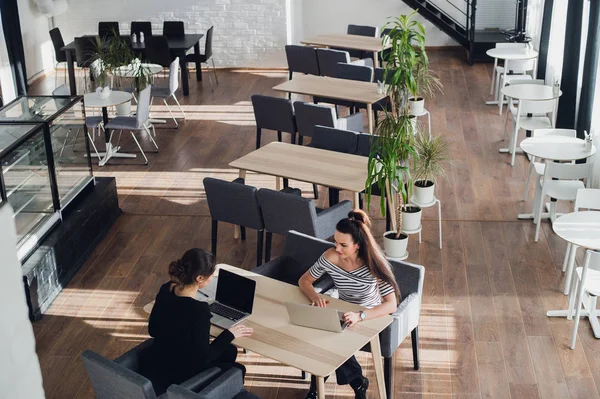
{"x":283,"y":212}
{"x":167,"y":92}
{"x":85,"y":55}
{"x":108,"y":29}
{"x":122,"y":379}
{"x":144,"y":27}
{"x":229,"y":385}
{"x":328,"y":60}
{"x":360,"y":73}
{"x":158,"y":51}
{"x":361,"y":30}
{"x":406,"y":318}
{"x":203,"y":58}
{"x":302,"y":59}
{"x":139,"y":122}
{"x":309,"y":115}
{"x":300,"y":253}
{"x":235,"y":203}
{"x":59,"y":56}
{"x":273,"y":113}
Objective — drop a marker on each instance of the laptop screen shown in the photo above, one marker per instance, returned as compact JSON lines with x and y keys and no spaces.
{"x":235,"y":291}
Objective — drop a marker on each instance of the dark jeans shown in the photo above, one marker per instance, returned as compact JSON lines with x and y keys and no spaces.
{"x":227,"y":360}
{"x":344,"y":374}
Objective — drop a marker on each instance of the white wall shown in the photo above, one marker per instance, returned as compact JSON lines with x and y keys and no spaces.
{"x":326,"y":16}
{"x":20,"y":375}
{"x":39,"y":53}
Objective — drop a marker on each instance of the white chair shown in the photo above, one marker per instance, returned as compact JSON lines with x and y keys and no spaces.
{"x":539,"y":119}
{"x":538,"y":167}
{"x":586,"y":287}
{"x":499,"y":69}
{"x":512,"y":105}
{"x":586,"y":198}
{"x":565,"y":188}
{"x":167,"y":92}
{"x":519,"y":69}
{"x":140,"y":122}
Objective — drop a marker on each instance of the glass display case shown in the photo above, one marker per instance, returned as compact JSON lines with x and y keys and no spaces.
{"x":44,"y":162}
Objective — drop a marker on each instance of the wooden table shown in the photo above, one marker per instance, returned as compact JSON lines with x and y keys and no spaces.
{"x":312,"y":165}
{"x":352,"y":42}
{"x":339,"y":89}
{"x":178,"y":45}
{"x":315,"y":351}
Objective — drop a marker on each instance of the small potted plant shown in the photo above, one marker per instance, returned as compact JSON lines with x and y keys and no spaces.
{"x":432,"y":152}
{"x":427,"y":84}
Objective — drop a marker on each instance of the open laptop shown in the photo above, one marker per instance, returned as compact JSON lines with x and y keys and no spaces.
{"x":233,"y":301}
{"x":316,"y":317}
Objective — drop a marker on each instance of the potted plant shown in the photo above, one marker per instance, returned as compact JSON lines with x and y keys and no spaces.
{"x":100,"y":67}
{"x":427,"y":84}
{"x":432,"y":151}
{"x":392,"y":151}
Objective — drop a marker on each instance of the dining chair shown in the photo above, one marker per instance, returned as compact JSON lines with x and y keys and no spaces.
{"x":203,"y":58}
{"x":139,"y":122}
{"x":59,"y":56}
{"x":167,"y":92}
{"x":519,"y":69}
{"x":236,"y":203}
{"x":361,"y":30}
{"x":107,"y":30}
{"x":85,"y":55}
{"x":273,"y":113}
{"x":587,"y":199}
{"x":309,"y":115}
{"x":498,"y":70}
{"x":302,"y":59}
{"x":561,"y":182}
{"x":144,"y":27}
{"x":539,"y":167}
{"x":361,"y":73}
{"x":173,"y":28}
{"x":328,"y":60}
{"x":512,"y":105}
{"x":158,"y":51}
{"x":586,"y":288}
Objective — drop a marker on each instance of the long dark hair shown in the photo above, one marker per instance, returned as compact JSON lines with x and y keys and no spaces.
{"x":194,"y":262}
{"x":357,"y":225}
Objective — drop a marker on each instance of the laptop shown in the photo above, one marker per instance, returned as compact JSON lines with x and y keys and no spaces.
{"x":233,"y":301}
{"x":315,"y":317}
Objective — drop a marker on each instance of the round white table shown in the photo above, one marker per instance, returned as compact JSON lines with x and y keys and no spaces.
{"x":93,"y":100}
{"x":499,"y":53}
{"x":530,"y":92}
{"x":557,"y":148}
{"x":126,"y":71}
{"x":583,"y":230}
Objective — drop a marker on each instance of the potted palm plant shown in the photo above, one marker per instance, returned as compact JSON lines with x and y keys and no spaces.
{"x":432,"y":152}
{"x":391,"y":153}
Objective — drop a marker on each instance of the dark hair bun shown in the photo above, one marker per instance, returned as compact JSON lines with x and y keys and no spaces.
{"x":194,"y":262}
{"x":360,"y":216}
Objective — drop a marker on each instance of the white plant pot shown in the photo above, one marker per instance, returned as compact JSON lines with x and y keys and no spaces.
{"x":394,"y":248}
{"x":123,"y":109}
{"x":416,"y":106}
{"x":411,"y":221}
{"x":424,"y":195}
{"x":105,"y":92}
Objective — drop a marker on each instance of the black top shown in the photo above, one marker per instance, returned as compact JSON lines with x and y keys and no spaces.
{"x":181,"y":329}
{"x":176,"y":43}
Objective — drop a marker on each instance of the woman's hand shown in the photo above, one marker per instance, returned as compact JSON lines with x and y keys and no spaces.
{"x":352,"y":318}
{"x":320,"y":302}
{"x":241,"y":331}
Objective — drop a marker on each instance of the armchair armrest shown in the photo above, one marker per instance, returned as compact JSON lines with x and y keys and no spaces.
{"x":353,"y":122}
{"x":328,"y":218}
{"x":406,"y":319}
{"x":200,"y":380}
{"x":226,"y":386}
{"x":270,"y":268}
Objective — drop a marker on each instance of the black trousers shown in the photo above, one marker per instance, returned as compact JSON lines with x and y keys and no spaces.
{"x":344,"y":374}
{"x":227,"y":360}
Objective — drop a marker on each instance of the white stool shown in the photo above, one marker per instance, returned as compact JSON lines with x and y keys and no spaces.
{"x":414,"y":201}
{"x":425,"y":112}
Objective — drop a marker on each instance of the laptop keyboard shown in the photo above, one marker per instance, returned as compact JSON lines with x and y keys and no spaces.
{"x":226,"y":312}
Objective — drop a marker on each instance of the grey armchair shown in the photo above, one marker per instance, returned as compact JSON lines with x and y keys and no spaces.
{"x":283,"y":212}
{"x":300,"y":253}
{"x":236,"y":203}
{"x":229,"y":385}
{"x":121,"y":378}
{"x":275,"y":114}
{"x":302,"y":59}
{"x":406,"y":318}
{"x":310,"y":115}
{"x":361,"y":30}
{"x":328,"y":60}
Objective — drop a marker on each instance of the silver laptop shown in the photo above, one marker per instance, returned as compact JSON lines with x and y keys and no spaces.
{"x":316,"y":317}
{"x":233,"y":301}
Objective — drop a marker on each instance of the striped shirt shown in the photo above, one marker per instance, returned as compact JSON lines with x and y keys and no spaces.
{"x":358,"y":286}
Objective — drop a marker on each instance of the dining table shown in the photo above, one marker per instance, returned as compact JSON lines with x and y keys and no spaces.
{"x":350,"y":42}
{"x":508,"y":54}
{"x":179,"y":45}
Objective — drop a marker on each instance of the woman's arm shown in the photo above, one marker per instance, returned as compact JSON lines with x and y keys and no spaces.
{"x":306,"y":286}
{"x":388,"y":306}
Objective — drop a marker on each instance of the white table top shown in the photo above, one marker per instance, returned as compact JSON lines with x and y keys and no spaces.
{"x":556,"y":148}
{"x":126,"y":71}
{"x":512,"y":53}
{"x":530,"y":92}
{"x":115,"y":98}
{"x":579,"y":228}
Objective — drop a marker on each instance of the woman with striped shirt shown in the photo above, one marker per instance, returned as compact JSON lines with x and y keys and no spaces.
{"x":362,"y":276}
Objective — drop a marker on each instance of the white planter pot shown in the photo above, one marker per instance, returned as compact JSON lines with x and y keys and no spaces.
{"x":123,"y":109}
{"x":395,"y":248}
{"x":423,"y":195}
{"x":416,"y":107}
{"x":411,"y":221}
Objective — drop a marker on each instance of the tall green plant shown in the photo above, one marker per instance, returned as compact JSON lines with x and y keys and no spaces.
{"x":432,"y":152}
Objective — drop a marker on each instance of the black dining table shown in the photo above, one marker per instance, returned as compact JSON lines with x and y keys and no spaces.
{"x":178,"y":45}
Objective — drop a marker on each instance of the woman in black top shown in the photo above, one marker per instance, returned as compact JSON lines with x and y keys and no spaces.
{"x":180,"y":325}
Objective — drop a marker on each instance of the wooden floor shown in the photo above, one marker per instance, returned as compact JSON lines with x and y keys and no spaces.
{"x":483,"y":329}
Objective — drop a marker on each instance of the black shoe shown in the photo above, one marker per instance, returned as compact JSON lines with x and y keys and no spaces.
{"x":360,"y":391}
{"x":312,"y":395}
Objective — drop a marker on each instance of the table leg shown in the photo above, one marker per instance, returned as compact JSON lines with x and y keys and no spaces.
{"x":376,"y":59}
{"x":356,"y":201}
{"x":236,"y":228}
{"x":111,"y":152}
{"x":277,"y":183}
{"x":71,"y":69}
{"x":370,"y":117}
{"x":378,"y":362}
{"x":198,"y":63}
{"x":321,"y":387}
{"x":185,"y":85}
